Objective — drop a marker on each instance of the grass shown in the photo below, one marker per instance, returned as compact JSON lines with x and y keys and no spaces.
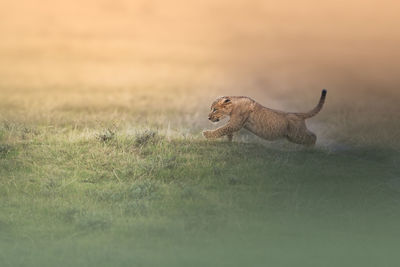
{"x":73,"y":197}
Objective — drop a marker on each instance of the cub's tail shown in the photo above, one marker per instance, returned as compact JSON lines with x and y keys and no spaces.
{"x":315,"y":110}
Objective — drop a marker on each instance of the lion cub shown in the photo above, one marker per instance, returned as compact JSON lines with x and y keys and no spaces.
{"x":266,"y":123}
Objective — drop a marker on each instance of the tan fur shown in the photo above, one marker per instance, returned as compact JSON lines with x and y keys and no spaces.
{"x":266,"y":123}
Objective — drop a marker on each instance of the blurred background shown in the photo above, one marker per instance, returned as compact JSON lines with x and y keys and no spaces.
{"x":177,"y":56}
{"x":65,"y":54}
{"x":262,"y":44}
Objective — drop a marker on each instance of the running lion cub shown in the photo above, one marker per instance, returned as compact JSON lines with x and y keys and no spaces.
{"x":266,"y":123}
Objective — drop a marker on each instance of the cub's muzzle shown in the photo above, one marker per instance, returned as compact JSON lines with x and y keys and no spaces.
{"x":213,"y":119}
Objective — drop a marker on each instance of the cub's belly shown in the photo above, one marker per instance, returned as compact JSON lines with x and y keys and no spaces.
{"x":267,"y":130}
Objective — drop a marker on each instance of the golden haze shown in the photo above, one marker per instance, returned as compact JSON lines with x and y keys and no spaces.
{"x":101,"y":54}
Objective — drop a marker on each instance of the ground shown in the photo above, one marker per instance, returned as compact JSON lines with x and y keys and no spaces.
{"x":87,"y":193}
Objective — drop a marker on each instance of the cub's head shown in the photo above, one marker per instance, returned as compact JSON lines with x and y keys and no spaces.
{"x":221,"y":108}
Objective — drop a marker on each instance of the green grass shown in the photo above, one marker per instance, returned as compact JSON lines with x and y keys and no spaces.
{"x":107,"y":197}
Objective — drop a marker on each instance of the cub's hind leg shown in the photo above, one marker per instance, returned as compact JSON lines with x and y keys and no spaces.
{"x":299,"y":134}
{"x":306,"y":137}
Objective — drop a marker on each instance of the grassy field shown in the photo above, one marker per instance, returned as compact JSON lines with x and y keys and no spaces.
{"x":103,"y":185}
{"x":102,"y":161}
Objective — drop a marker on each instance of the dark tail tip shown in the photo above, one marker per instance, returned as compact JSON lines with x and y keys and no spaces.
{"x":324,"y":92}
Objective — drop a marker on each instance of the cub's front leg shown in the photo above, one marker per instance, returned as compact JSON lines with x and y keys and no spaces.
{"x":209,"y":134}
{"x":228,"y":129}
{"x":230,"y":137}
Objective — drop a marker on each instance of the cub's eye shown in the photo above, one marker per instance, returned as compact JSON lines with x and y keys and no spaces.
{"x":214,"y":109}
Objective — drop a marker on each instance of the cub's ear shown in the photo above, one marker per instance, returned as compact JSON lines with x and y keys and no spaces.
{"x":227,"y":100}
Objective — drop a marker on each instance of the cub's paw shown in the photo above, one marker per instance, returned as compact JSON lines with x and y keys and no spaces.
{"x":208,"y":134}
